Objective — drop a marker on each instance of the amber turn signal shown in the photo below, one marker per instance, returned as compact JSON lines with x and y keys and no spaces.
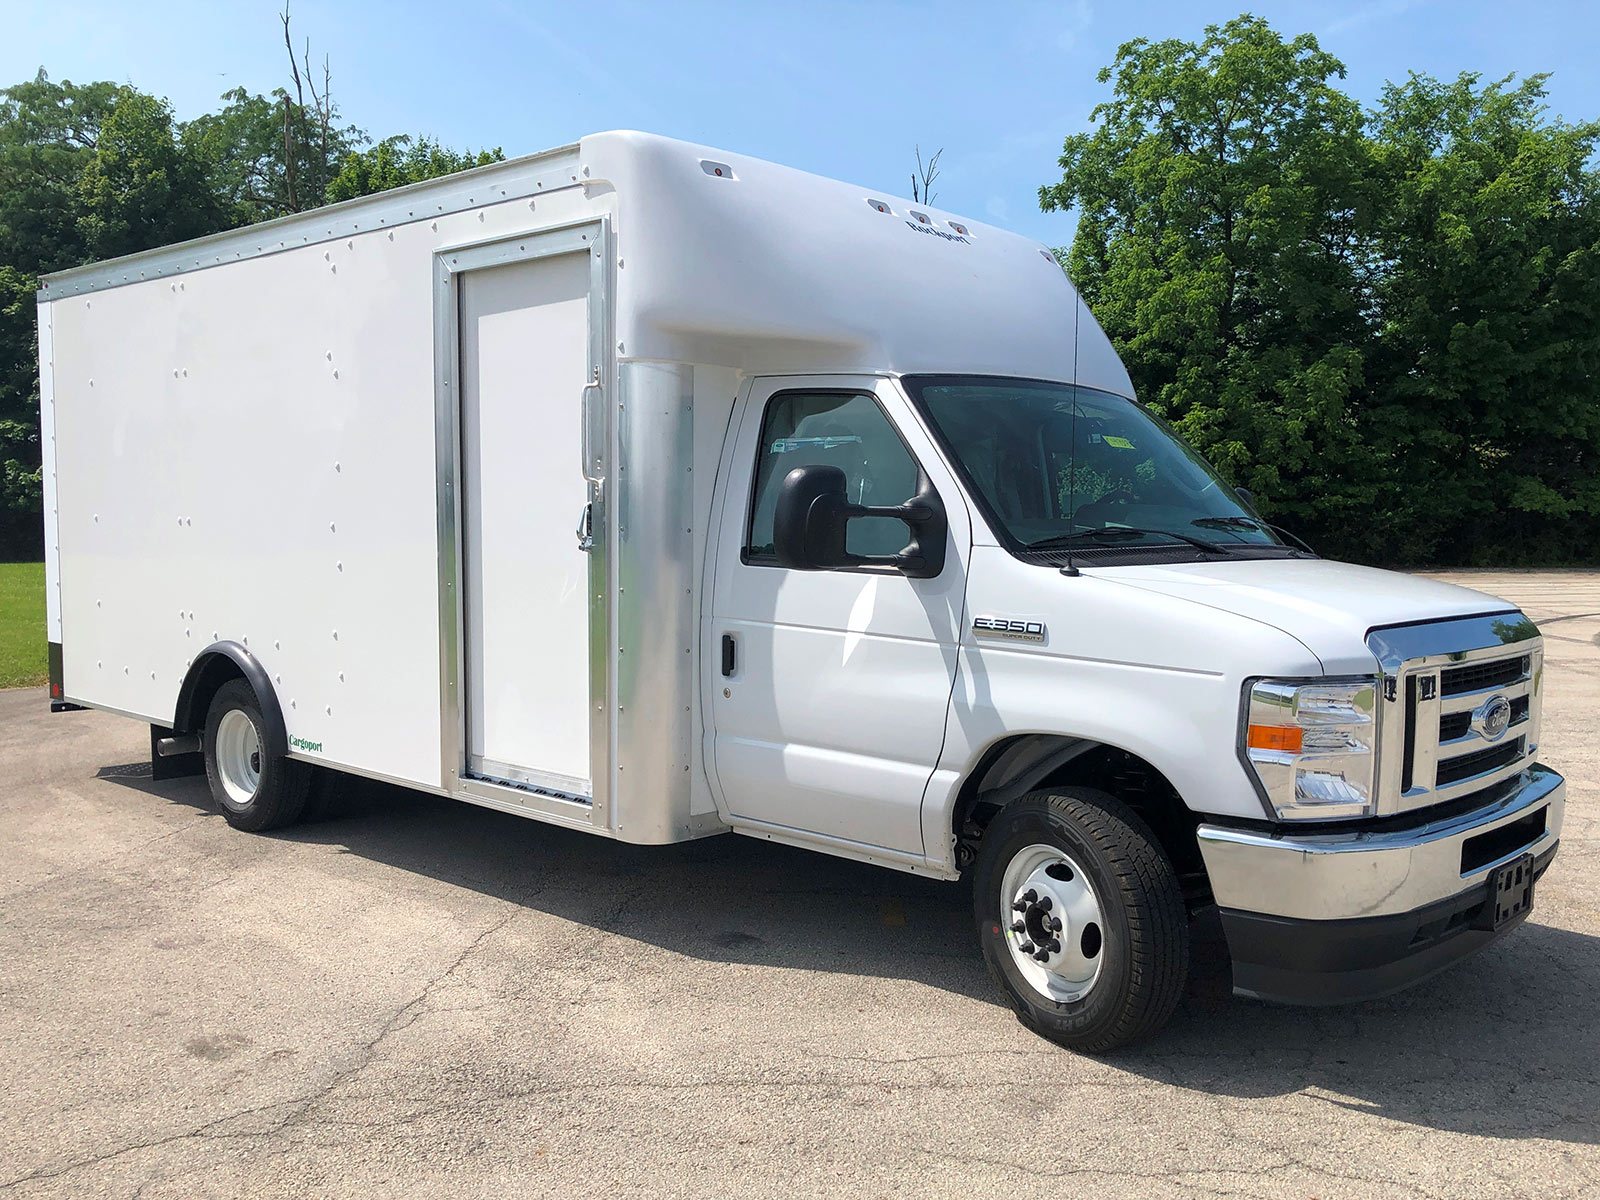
{"x":1283,"y":738}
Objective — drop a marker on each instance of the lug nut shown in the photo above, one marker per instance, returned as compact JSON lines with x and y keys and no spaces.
{"x":1020,"y":906}
{"x":1042,"y":956}
{"x":1046,"y":903}
{"x":1030,"y":895}
{"x":1055,"y":924}
{"x":1055,"y":946}
{"x":1027,"y":947}
{"x":1018,"y":926}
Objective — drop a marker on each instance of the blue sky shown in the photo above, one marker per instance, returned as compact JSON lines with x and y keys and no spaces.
{"x":842,"y":89}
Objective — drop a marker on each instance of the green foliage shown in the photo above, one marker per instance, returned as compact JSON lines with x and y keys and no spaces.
{"x":397,"y":161}
{"x":101,"y":169}
{"x":140,"y":188}
{"x":22,"y":631}
{"x":1383,"y":323}
{"x":20,"y":503}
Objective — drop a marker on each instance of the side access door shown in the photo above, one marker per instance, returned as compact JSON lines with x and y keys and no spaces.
{"x":827,"y":690}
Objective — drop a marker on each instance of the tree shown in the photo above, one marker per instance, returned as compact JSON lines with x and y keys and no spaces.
{"x":1489,"y":302}
{"x":20,"y":502}
{"x":268,"y":157}
{"x":48,"y":131}
{"x":1223,"y":199}
{"x":397,"y":161}
{"x":1387,"y":324}
{"x":140,"y":188}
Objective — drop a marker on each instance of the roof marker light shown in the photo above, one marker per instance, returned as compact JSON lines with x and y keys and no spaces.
{"x":1048,"y":257}
{"x":922,"y":218}
{"x":959,"y":228}
{"x":880,"y":206}
{"x":720,"y":170}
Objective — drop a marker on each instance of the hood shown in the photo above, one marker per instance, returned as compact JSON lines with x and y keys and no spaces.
{"x":1327,"y":606}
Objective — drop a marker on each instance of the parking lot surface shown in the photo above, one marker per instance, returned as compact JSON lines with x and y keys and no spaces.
{"x":417,"y":997}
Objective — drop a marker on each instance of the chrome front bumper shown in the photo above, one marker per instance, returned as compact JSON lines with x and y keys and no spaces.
{"x":1333,"y":917}
{"x":1374,"y":872}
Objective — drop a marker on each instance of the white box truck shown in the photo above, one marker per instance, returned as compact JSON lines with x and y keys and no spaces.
{"x":659,"y":492}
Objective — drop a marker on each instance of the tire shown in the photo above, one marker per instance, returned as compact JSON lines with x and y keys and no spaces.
{"x":255,"y":790}
{"x":1116,"y":962}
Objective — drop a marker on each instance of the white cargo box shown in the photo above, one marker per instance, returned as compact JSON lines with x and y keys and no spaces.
{"x":440,"y":461}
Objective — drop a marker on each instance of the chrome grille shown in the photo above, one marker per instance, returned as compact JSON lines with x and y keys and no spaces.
{"x":1438,"y":682}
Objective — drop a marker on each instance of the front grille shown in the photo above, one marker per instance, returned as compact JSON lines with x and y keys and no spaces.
{"x":1478,"y":677}
{"x":1436,"y":676}
{"x":1478,"y":762}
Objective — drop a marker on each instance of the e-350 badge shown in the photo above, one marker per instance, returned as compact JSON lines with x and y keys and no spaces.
{"x":1008,"y":628}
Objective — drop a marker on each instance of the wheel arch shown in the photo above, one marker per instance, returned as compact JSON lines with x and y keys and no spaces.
{"x":1016,"y":764}
{"x":214,"y":666}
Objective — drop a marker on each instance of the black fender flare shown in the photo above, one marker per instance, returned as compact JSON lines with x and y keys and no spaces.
{"x":207,"y":673}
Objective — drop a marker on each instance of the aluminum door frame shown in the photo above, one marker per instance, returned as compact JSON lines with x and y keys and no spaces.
{"x":449,"y":264}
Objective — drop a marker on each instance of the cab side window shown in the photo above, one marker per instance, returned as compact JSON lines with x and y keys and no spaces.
{"x":835,"y":429}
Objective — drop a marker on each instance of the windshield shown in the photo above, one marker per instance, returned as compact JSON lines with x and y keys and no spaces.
{"x":1058,"y":467}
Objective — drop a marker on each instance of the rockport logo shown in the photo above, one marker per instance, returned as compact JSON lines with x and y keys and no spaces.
{"x":949,"y":237}
{"x":1010,"y":630}
{"x":300,"y":743}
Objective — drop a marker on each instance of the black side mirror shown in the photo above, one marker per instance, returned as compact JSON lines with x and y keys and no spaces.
{"x":813,"y":516}
{"x":1247,"y":496}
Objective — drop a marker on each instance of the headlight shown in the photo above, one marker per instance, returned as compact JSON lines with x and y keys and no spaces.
{"x":1310,"y":746}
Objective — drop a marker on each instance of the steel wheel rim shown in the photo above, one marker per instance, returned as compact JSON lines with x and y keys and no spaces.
{"x":238,"y":753}
{"x":1044,"y":893}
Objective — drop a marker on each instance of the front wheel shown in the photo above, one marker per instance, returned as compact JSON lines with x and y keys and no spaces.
{"x":1081,"y":919}
{"x":257,"y":790}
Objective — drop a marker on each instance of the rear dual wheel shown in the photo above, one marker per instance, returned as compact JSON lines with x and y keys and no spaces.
{"x":1081,"y":919}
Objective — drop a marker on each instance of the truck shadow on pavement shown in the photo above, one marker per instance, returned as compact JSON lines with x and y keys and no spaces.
{"x":1503,"y":1046}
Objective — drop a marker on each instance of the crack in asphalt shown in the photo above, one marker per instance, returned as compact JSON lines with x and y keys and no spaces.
{"x":299,"y":1106}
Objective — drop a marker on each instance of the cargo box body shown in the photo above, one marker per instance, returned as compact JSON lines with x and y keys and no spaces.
{"x":359,"y":445}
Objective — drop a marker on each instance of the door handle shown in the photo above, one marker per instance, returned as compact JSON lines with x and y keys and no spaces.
{"x":585,"y":530}
{"x":729,"y":654}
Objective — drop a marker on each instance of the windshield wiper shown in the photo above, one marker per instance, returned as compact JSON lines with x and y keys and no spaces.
{"x":1253,"y":523}
{"x":1126,"y":531}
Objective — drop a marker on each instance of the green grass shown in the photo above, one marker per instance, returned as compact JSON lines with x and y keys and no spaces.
{"x":22,"y":644}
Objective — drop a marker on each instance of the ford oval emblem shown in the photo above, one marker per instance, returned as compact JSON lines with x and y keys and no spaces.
{"x":1492,"y":718}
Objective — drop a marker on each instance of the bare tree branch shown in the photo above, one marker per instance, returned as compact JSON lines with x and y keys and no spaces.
{"x":922,"y":178}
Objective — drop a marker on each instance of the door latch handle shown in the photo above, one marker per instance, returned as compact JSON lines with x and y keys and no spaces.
{"x":585,"y":530}
{"x":729,"y":655}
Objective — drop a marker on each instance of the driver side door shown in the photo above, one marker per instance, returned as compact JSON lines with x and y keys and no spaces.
{"x":827,"y":691}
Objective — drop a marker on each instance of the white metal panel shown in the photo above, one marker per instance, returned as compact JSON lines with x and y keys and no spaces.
{"x":524,"y":363}
{"x":47,"y":454}
{"x":1152,"y":674}
{"x":248,"y":451}
{"x":833,"y":720}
